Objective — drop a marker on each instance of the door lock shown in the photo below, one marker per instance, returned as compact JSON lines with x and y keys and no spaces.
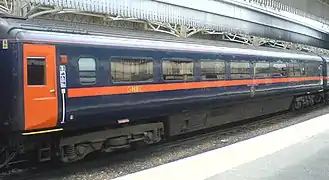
{"x":52,"y":90}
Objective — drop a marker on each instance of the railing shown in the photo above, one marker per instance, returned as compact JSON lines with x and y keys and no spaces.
{"x":23,"y":8}
{"x":282,"y":7}
{"x":284,"y":10}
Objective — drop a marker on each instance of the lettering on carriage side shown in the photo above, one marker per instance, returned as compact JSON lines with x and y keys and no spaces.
{"x":62,"y":76}
{"x":134,"y":89}
{"x":62,"y":79}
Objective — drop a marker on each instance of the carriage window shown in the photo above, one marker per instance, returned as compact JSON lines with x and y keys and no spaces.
{"x":131,"y":69}
{"x":178,"y":69}
{"x":296,"y":69}
{"x":240,"y":70}
{"x":87,"y":71}
{"x":262,"y":70}
{"x":313,"y":69}
{"x":211,"y":69}
{"x":279,"y":69}
{"x":36,"y":71}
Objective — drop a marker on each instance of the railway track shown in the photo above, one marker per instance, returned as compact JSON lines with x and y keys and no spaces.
{"x":37,"y":170}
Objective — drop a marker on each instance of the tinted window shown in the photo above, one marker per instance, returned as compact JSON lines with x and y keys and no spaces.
{"x":295,"y":69}
{"x":87,"y":71}
{"x":279,"y":69}
{"x":36,"y":71}
{"x":131,"y":69}
{"x":262,"y":70}
{"x":212,"y":69}
{"x":240,"y":70}
{"x":178,"y":69}
{"x":313,"y":69}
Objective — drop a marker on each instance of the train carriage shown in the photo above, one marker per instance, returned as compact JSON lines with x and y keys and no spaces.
{"x":325,"y":72}
{"x":80,"y":91}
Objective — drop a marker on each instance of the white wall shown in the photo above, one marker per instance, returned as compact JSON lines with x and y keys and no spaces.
{"x":311,"y":6}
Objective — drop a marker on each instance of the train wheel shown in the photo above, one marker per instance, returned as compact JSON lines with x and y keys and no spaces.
{"x":297,"y":105}
{"x":318,"y":99}
{"x":311,"y":101}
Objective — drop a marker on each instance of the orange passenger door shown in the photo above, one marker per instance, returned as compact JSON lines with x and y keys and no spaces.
{"x":40,"y":86}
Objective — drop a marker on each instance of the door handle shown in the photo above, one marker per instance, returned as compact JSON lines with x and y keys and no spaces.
{"x":52,"y":91}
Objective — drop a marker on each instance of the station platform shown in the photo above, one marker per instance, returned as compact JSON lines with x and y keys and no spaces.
{"x":299,"y":152}
{"x":306,"y":160}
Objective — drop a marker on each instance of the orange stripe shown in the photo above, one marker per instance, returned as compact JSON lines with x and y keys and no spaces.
{"x":100,"y":91}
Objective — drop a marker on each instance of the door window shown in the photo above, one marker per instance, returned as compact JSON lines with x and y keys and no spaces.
{"x":36,"y":71}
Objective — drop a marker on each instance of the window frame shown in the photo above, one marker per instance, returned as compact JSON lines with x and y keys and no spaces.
{"x":96,"y":69}
{"x":313,"y":62}
{"x":109,"y":74}
{"x":239,"y":61}
{"x":179,"y":59}
{"x":45,"y":71}
{"x":213,"y":60}
{"x":299,"y":62}
{"x":255,"y":69}
{"x":280,"y":61}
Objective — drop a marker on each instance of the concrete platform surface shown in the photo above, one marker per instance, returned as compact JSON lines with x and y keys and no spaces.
{"x":297,"y":152}
{"x":306,"y":160}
